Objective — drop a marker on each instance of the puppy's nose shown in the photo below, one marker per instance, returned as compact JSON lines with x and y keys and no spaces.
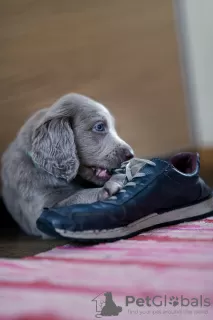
{"x":129,"y":154}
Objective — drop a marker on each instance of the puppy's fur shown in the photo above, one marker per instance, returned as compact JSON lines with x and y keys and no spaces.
{"x":56,"y":146}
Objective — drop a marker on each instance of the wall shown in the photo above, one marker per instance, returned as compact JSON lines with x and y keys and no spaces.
{"x":195,"y":25}
{"x":123,"y":53}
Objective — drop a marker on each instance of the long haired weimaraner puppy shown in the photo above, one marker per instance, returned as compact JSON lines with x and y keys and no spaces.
{"x":57,"y":149}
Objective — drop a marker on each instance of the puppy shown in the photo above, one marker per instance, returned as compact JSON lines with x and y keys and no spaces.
{"x":55,"y":152}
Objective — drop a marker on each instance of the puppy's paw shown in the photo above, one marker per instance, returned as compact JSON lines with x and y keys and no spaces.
{"x":103,"y":194}
{"x":111,"y":187}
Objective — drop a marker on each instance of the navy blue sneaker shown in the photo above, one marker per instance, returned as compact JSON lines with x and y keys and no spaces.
{"x":161,"y":192}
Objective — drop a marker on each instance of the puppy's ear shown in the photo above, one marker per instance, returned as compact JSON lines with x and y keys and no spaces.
{"x":54,"y":150}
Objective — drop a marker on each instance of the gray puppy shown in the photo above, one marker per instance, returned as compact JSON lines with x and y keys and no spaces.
{"x":73,"y":140}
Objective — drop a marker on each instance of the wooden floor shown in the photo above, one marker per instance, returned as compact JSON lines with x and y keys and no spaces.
{"x":123,"y":53}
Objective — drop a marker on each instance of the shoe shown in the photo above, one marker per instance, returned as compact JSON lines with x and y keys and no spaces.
{"x":160,"y":192}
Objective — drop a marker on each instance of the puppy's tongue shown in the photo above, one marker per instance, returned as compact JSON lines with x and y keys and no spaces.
{"x":102,"y":173}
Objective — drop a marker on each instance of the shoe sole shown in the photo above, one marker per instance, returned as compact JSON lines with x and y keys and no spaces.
{"x":193,"y":212}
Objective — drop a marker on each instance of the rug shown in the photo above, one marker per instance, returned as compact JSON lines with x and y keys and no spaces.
{"x":163,"y":274}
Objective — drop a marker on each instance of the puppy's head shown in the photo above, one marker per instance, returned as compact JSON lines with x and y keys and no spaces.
{"x":77,"y":136}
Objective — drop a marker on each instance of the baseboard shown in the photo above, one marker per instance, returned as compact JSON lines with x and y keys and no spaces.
{"x":206,"y":157}
{"x":206,"y":164}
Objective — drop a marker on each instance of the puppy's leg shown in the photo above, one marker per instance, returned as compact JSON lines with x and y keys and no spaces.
{"x":110,"y":188}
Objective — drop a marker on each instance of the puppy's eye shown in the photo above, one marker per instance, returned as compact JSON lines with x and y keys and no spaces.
{"x":99,"y":127}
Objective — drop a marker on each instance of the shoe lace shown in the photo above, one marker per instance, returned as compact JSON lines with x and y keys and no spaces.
{"x":128,"y":168}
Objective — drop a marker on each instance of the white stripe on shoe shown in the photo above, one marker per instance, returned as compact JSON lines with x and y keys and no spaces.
{"x":151,"y":220}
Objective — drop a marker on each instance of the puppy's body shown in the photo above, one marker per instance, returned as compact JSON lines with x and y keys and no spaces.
{"x":56,"y":145}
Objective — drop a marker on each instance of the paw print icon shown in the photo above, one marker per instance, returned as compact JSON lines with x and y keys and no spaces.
{"x":174,"y":301}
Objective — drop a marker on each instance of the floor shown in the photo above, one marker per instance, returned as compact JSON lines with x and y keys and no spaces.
{"x":173,"y":265}
{"x":15,"y":244}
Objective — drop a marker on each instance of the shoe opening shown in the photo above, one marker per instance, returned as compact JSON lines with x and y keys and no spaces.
{"x":185,"y":162}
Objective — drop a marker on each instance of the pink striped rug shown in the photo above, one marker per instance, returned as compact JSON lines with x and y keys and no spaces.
{"x":163,"y":274}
